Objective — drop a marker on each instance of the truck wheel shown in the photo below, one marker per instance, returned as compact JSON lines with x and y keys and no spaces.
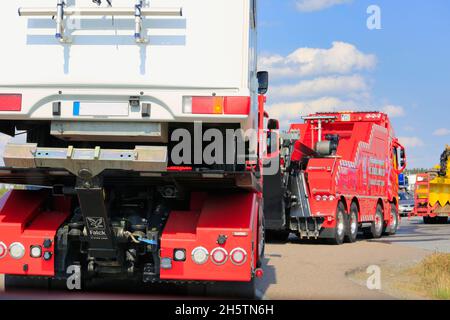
{"x":277,"y":236}
{"x":395,"y":220}
{"x":429,"y":220}
{"x":340,"y":230}
{"x":376,"y":229}
{"x":261,"y":240}
{"x":442,"y":220}
{"x":233,"y":290}
{"x":352,"y":224}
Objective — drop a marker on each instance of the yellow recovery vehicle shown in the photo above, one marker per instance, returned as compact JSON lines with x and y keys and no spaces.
{"x":432,"y":192}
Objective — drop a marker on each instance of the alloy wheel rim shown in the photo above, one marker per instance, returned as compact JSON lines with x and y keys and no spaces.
{"x":340,"y":224}
{"x":394,"y":220}
{"x":354,"y":224}
{"x":378,"y":222}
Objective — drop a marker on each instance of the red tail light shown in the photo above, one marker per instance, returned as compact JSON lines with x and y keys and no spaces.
{"x":238,"y":256}
{"x":10,"y":102}
{"x":219,"y":256}
{"x":217,"y":105}
{"x":3,"y":250}
{"x":237,"y":105}
{"x":259,"y":273}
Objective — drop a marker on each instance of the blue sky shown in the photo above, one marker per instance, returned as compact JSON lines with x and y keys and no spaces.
{"x":322,"y":57}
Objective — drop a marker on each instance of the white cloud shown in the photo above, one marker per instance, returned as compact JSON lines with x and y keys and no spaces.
{"x":441,"y":132}
{"x":393,"y":111}
{"x":411,"y":142}
{"x":341,"y":58}
{"x":316,"y":5}
{"x":322,"y":86}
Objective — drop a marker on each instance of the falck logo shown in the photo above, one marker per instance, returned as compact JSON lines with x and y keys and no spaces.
{"x":96,"y":223}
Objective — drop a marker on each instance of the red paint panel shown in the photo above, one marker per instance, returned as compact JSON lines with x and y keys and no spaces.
{"x":21,"y":220}
{"x":178,"y":169}
{"x":221,"y":105}
{"x":237,"y":105}
{"x":220,"y":215}
{"x":207,"y":105}
{"x":10,"y":102}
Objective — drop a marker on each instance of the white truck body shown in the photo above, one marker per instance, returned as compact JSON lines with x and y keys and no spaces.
{"x":209,"y":50}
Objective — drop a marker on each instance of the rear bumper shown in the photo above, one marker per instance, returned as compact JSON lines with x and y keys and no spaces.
{"x":406,"y":211}
{"x":86,"y":161}
{"x":165,"y":105}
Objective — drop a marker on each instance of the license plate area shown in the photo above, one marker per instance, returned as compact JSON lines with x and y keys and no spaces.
{"x":101,"y":109}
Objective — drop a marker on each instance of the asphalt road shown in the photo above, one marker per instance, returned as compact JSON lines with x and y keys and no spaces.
{"x":303,"y":270}
{"x":414,"y":233}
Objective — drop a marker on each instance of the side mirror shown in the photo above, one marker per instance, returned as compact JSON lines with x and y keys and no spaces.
{"x":263,"y":82}
{"x":273,"y":124}
{"x":402,"y":153}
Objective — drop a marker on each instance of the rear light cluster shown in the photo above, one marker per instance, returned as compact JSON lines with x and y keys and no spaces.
{"x":3,"y":250}
{"x":216,"y":105}
{"x":17,"y":251}
{"x":219,"y":256}
{"x":325,"y":198}
{"x":10,"y":102}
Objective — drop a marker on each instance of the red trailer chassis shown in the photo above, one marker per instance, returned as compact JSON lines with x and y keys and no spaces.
{"x":227,"y":224}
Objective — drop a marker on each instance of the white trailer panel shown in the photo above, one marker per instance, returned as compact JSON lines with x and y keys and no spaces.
{"x":210,"y":49}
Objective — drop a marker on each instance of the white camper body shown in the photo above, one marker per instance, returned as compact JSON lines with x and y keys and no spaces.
{"x":99,"y":66}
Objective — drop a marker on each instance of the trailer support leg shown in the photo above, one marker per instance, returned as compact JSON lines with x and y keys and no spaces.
{"x":95,"y":215}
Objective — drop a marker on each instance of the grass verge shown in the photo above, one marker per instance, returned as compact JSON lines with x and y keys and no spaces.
{"x":3,"y":191}
{"x":434,"y":275}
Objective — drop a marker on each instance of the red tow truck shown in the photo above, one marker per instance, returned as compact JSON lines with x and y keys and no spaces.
{"x":338,"y":175}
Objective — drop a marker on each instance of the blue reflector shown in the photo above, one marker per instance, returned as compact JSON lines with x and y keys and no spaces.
{"x":76,"y":108}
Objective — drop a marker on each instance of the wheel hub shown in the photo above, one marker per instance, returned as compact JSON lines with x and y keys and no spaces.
{"x":354,"y":225}
{"x":340,"y":224}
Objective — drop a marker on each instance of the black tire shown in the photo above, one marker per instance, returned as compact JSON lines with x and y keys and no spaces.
{"x":341,"y":225}
{"x":442,"y":220}
{"x":376,"y":229}
{"x":261,"y":239}
{"x":232,"y":290}
{"x":395,"y":221}
{"x":429,"y":220}
{"x":277,"y":236}
{"x":352,"y":224}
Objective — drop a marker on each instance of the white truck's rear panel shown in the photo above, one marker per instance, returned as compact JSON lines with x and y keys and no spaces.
{"x":207,"y":50}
